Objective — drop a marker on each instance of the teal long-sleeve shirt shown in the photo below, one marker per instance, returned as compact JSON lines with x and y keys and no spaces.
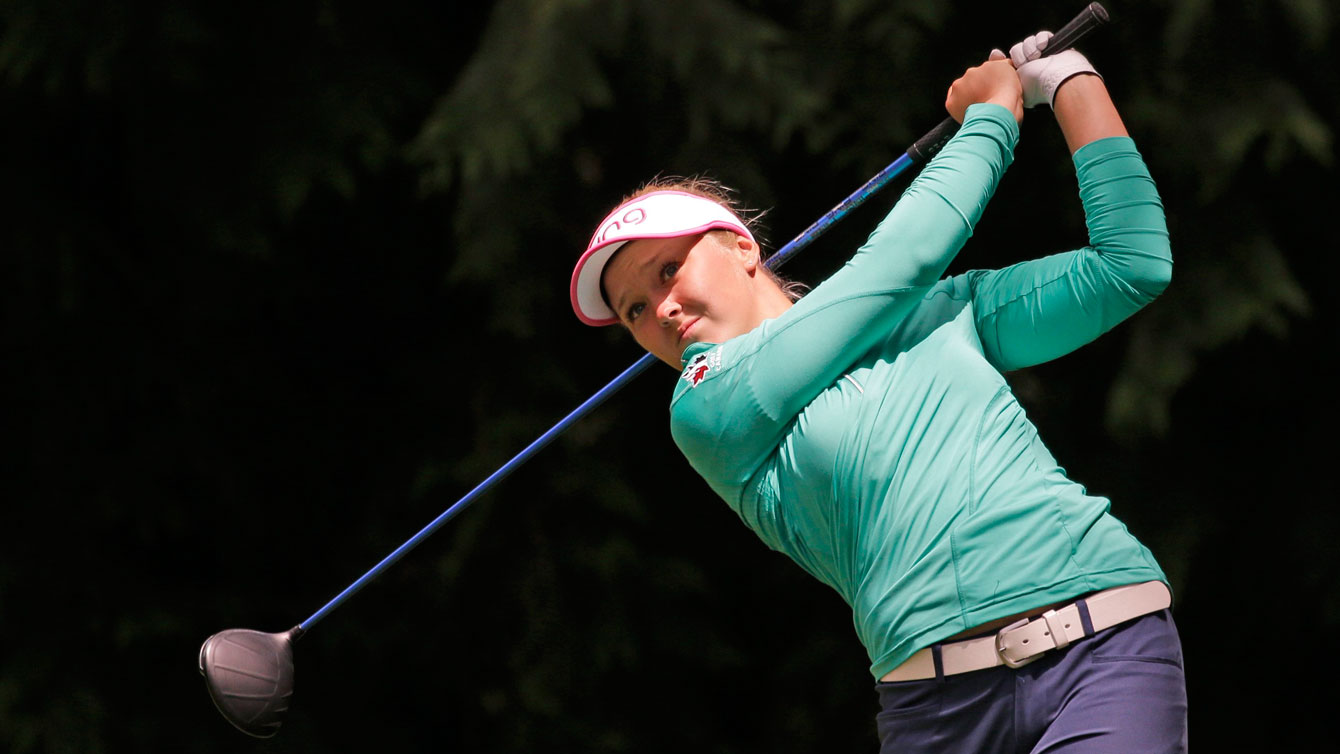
{"x":868,"y":432}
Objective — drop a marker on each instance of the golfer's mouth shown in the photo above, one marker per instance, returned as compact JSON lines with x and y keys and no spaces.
{"x":686,"y":329}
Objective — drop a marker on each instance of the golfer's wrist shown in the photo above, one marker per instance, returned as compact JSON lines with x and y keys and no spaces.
{"x":1086,"y":112}
{"x":1079,"y":84}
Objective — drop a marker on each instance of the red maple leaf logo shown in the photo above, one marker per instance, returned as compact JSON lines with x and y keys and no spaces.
{"x":697,"y":370}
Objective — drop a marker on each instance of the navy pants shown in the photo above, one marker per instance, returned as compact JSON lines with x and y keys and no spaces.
{"x":1119,"y":691}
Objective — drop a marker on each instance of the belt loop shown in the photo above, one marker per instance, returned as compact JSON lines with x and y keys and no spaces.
{"x":1055,"y":627}
{"x":1084,"y":619}
{"x":939,"y":663}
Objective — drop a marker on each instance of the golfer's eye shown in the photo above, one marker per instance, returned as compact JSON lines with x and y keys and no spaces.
{"x":669,"y":270}
{"x":634,"y":310}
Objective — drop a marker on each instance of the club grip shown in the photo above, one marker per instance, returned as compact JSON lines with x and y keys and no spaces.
{"x":1092,"y":17}
{"x":1088,"y":19}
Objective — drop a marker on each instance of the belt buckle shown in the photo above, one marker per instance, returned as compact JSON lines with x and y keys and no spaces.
{"x":1000,"y":648}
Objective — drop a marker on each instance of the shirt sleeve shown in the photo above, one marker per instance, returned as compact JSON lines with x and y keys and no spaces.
{"x":736,"y":399}
{"x":1039,"y":310}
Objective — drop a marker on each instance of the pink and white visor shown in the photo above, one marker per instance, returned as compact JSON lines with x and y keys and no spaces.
{"x":659,"y":214}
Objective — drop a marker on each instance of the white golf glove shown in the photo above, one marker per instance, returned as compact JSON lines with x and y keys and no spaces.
{"x":1040,"y":76}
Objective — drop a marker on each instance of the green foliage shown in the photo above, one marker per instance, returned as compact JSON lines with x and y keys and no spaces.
{"x":1243,"y":85}
{"x":284,"y":281}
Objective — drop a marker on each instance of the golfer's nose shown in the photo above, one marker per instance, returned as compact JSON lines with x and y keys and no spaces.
{"x":667,"y":311}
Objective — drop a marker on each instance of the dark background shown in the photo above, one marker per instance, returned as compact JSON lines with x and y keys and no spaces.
{"x":282,"y":281}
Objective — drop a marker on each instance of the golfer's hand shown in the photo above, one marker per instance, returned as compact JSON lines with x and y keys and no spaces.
{"x":1041,"y":77}
{"x":993,"y":81}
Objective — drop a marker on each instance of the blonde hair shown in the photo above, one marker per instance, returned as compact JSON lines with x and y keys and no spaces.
{"x":710,"y":188}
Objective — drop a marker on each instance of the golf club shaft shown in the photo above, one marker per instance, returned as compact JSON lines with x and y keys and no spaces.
{"x":926,"y":147}
{"x":1092,"y":17}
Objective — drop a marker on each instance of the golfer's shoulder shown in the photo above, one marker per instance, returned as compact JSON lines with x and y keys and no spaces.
{"x":700,"y":392}
{"x":715,"y":402}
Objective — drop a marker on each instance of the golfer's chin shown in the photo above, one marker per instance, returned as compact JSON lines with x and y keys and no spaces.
{"x":667,"y":354}
{"x":673,"y":353}
{"x":678,"y":361}
{"x":683,"y":346}
{"x":673,"y":360}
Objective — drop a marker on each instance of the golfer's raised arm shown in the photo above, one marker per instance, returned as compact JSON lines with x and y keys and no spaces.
{"x":1041,"y":309}
{"x":1085,"y":112}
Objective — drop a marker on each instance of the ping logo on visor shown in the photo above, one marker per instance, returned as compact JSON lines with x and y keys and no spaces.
{"x":633,"y":216}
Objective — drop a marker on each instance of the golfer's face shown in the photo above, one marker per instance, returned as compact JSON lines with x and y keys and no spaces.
{"x":670,"y":292}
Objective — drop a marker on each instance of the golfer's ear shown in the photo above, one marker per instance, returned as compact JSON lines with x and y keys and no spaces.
{"x":748,"y":251}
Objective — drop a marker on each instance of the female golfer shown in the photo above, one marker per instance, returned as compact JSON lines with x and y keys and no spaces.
{"x":866,"y":431}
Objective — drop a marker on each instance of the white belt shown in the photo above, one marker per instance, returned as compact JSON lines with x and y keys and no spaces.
{"x":1026,"y":640}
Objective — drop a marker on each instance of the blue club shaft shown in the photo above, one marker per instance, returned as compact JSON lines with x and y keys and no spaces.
{"x":830,"y":218}
{"x":783,"y":254}
{"x":1093,"y":16}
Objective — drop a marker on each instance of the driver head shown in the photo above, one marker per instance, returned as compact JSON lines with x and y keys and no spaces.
{"x":250,"y":677}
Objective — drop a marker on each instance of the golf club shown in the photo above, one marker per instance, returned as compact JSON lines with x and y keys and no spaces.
{"x":249,"y":674}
